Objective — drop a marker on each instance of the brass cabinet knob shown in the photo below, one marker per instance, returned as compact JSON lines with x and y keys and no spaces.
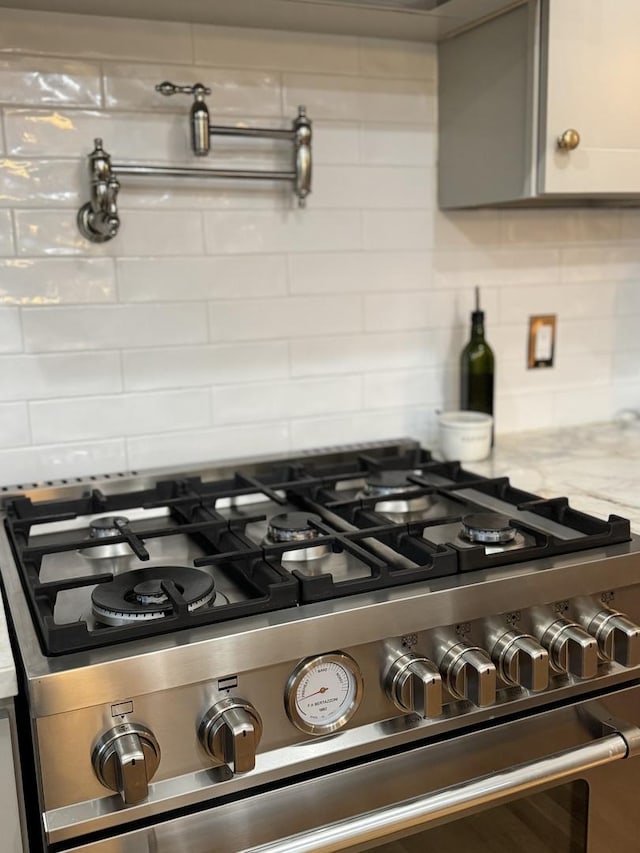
{"x":569,"y":140}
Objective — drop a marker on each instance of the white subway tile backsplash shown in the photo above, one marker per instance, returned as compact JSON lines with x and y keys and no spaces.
{"x":127,"y":137}
{"x":511,"y":342}
{"x":195,"y":446}
{"x":247,"y":48}
{"x":397,"y":229}
{"x":569,"y":371}
{"x":626,"y":365}
{"x":555,"y":227}
{"x":130,"y":414}
{"x":292,"y":230}
{"x":600,"y":263}
{"x":628,"y":297}
{"x":372,"y":187}
{"x":280,"y":318}
{"x":10,"y":327}
{"x":374,"y":352}
{"x":40,"y":183}
{"x":40,"y":81}
{"x":408,"y":388}
{"x":398,"y":145}
{"x":575,"y":301}
{"x":495,"y":266}
{"x":324,"y":96}
{"x":210,"y":194}
{"x":234,"y":92}
{"x":517,"y":412}
{"x":113,"y":326}
{"x":14,"y":425}
{"x":178,"y":367}
{"x":431,"y":310}
{"x":359,"y":272}
{"x":142,"y":232}
{"x":626,"y":333}
{"x":466,"y":229}
{"x":388,"y":58}
{"x":24,"y":31}
{"x":54,"y":281}
{"x":583,"y":405}
{"x":222,"y":321}
{"x":355,"y":427}
{"x":366,"y":99}
{"x":398,"y":101}
{"x":6,"y":233}
{"x":625,"y":395}
{"x":279,"y":400}
{"x":335,"y":142}
{"x":227,"y":277}
{"x":40,"y":377}
{"x":26,"y":465}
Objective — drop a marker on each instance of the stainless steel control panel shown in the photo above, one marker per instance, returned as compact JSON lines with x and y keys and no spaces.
{"x":219,"y":734}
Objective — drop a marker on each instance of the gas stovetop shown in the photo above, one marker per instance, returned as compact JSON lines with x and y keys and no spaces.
{"x":140,"y":557}
{"x":189,"y":636}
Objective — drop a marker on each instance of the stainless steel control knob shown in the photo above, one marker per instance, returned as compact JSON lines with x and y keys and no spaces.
{"x":125,"y":760}
{"x":618,"y":638}
{"x":522,"y":661}
{"x":571,"y":649}
{"x":230,"y":732}
{"x":469,"y":674}
{"x":413,"y":684}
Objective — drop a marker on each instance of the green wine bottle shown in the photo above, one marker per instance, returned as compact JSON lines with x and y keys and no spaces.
{"x":477,"y":367}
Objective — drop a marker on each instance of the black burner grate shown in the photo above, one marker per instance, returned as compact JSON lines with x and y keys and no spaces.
{"x":390,"y":551}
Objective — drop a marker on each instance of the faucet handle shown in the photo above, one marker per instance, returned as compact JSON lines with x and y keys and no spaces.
{"x":168,"y":88}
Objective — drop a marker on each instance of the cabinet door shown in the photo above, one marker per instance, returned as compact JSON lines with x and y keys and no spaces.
{"x":590,"y":79}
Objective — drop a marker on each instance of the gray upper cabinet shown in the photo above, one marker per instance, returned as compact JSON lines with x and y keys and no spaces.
{"x":416,"y":20}
{"x":539,"y":106}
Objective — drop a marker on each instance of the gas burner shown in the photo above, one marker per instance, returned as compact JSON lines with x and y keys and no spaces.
{"x":388,"y":484}
{"x":488,"y":528}
{"x":103,"y":529}
{"x":291,"y":527}
{"x":139,"y":596}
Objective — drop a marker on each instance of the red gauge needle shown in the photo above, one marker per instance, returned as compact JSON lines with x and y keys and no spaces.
{"x":322,"y":690}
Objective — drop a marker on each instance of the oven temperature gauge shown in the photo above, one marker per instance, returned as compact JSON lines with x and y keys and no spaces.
{"x":323,"y":693}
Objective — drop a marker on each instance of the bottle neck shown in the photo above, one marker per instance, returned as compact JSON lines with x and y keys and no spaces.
{"x":477,"y":330}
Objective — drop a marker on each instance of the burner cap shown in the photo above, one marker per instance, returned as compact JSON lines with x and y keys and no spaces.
{"x":139,"y":595}
{"x":389,"y":482}
{"x":487,"y":527}
{"x":293,"y":527}
{"x":106,"y":526}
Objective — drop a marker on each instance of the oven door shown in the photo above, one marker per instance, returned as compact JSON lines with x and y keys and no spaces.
{"x":562,"y":781}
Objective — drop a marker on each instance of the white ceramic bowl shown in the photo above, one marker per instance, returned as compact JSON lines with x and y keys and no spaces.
{"x":465,"y":436}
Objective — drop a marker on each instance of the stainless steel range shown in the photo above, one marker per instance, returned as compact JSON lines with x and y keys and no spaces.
{"x":347,"y":649}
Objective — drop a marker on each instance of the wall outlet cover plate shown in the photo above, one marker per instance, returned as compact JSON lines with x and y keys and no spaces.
{"x":542,"y":340}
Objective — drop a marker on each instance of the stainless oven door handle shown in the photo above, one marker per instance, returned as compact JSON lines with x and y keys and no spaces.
{"x":482,"y":791}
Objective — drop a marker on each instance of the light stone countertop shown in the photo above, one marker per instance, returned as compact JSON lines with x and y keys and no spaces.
{"x":596,"y":466}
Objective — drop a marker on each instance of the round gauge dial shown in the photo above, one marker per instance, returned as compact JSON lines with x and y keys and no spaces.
{"x":323,"y":693}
